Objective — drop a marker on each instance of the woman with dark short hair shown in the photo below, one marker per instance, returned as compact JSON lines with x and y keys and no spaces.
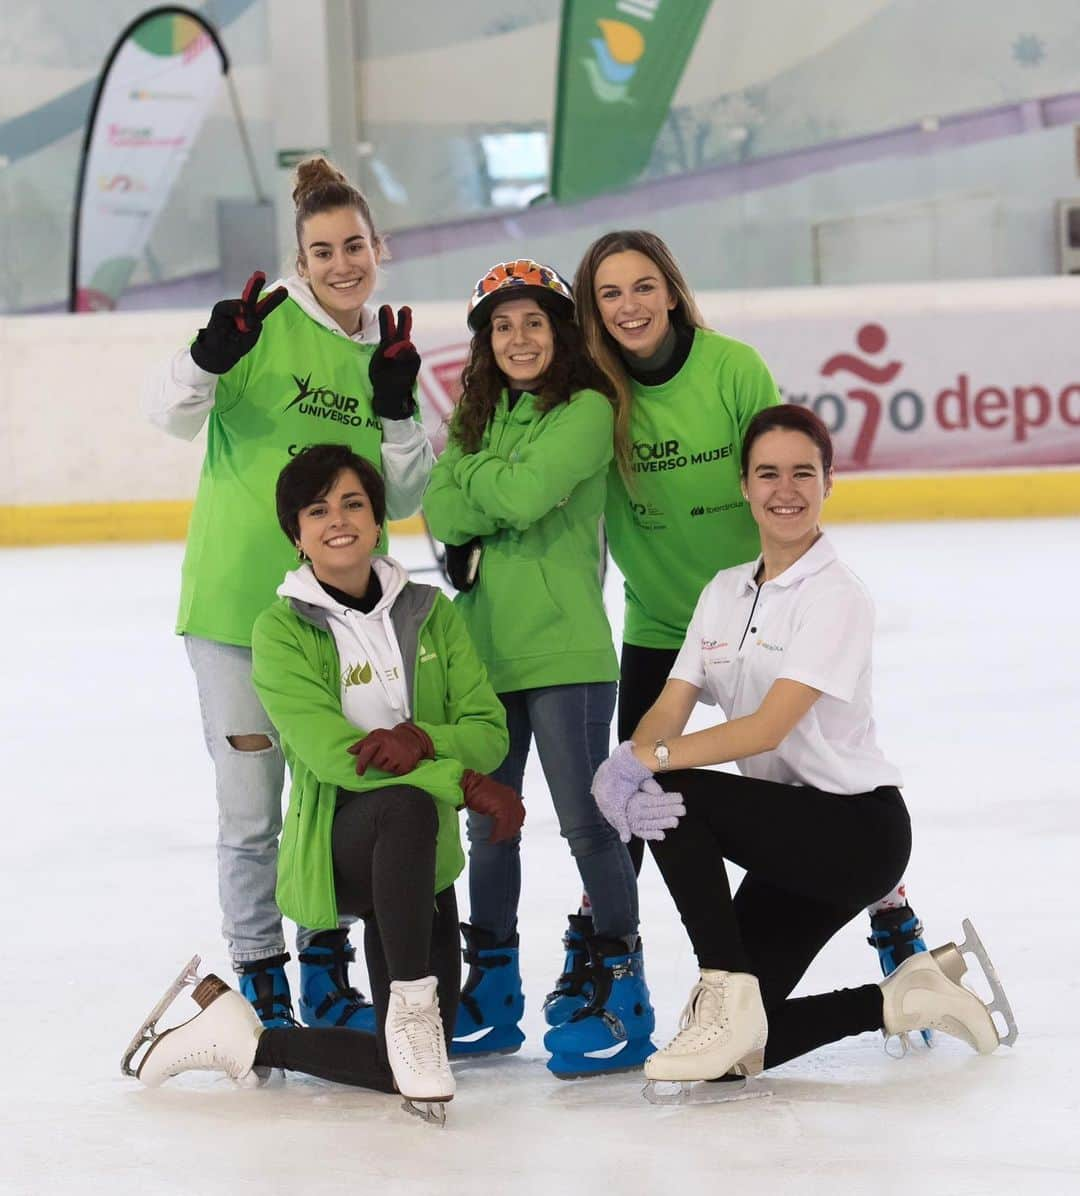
{"x":388,"y":723}
{"x":783,"y":645}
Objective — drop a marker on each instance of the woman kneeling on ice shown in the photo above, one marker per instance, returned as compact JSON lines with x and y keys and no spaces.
{"x":384,"y":709}
{"x":783,"y":646}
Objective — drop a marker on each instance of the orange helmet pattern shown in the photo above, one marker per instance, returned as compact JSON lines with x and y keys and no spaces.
{"x":518,"y":280}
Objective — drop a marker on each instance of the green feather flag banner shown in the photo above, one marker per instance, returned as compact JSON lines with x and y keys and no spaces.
{"x":620,"y":62}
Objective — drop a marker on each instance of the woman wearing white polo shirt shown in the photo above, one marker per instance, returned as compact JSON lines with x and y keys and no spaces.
{"x":783,"y":646}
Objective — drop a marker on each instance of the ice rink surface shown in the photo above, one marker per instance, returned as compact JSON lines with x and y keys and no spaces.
{"x":108,"y":886}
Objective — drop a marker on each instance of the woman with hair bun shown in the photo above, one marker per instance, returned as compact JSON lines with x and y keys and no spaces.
{"x":307,"y":361}
{"x":518,"y":493}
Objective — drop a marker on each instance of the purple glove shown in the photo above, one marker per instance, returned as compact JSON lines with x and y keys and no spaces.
{"x":651,"y":811}
{"x":617,"y":780}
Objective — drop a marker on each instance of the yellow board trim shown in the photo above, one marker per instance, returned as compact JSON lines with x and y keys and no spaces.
{"x":857,"y":499}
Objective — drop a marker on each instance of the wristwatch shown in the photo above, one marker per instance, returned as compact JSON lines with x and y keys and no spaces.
{"x":660,"y":751}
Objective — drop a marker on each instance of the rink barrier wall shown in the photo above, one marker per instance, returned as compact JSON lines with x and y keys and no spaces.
{"x":925,"y":388}
{"x":994,"y":494}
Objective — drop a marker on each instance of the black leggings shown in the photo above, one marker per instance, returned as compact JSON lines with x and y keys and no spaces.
{"x":813,"y":860}
{"x":384,"y":860}
{"x":643,"y":673}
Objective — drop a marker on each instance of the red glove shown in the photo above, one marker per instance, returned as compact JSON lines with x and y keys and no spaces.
{"x":396,"y":749}
{"x":497,"y":801}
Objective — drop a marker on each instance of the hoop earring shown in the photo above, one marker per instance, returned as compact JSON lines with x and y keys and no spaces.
{"x":301,"y":555}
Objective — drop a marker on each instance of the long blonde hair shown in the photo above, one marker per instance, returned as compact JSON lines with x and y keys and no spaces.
{"x":601,"y":346}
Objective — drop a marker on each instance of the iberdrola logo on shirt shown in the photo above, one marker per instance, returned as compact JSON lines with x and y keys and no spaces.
{"x":356,"y":674}
{"x":322,"y":402}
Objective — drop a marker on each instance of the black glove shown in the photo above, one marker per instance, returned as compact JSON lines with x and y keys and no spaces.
{"x":234,"y":326}
{"x":394,"y":366}
{"x":462,"y":563}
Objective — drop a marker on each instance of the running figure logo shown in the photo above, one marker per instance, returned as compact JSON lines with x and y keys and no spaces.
{"x":871,"y":339}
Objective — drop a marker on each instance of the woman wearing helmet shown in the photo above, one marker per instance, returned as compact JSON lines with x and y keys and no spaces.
{"x":523,"y":480}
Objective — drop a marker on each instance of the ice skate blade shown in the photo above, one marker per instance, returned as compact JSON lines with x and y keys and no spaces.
{"x":973,"y":945}
{"x":704,"y":1092}
{"x":431,"y":1111}
{"x":903,"y":1043}
{"x":147,"y":1032}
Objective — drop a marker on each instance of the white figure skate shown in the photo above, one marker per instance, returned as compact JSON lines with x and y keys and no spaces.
{"x":222,"y":1036}
{"x":416,"y":1048}
{"x":722,"y":1038}
{"x":926,"y":991}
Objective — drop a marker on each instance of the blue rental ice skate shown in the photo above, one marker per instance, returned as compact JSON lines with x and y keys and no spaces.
{"x":326,"y":996}
{"x":264,"y":983}
{"x":574,"y":987}
{"x":492,"y":1003}
{"x":612,"y":1032}
{"x":897,"y":934}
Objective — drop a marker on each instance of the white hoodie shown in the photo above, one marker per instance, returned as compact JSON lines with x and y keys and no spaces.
{"x":374,"y":692}
{"x":179,"y":395}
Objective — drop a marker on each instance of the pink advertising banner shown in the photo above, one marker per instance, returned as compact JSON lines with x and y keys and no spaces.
{"x":955,"y":376}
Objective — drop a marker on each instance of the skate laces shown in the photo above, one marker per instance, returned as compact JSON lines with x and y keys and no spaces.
{"x":422,"y":1031}
{"x":703,"y":1016}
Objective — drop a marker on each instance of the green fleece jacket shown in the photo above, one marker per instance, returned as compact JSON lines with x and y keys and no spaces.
{"x":535,"y":492}
{"x":296,"y":672}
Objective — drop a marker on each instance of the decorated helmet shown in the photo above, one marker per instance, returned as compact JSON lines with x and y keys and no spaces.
{"x":523,"y":279}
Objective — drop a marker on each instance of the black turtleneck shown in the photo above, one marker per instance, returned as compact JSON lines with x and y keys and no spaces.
{"x":665,"y":363}
{"x":366,"y":604}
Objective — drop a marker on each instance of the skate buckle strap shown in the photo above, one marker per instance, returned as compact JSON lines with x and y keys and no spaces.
{"x":471,"y":956}
{"x":354,"y":1001}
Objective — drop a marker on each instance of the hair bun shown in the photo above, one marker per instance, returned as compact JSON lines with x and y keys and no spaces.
{"x":313,"y":173}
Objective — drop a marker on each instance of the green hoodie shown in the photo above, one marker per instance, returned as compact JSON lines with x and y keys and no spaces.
{"x":296,"y":672}
{"x":683,"y":518}
{"x":534,"y":491}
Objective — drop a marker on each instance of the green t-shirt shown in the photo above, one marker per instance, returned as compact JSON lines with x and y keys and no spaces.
{"x":301,"y":384}
{"x":683,"y":517}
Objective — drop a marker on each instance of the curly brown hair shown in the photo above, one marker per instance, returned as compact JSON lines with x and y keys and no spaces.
{"x":482,"y":381}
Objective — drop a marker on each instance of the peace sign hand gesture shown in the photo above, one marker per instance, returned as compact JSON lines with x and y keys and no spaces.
{"x":394,"y":366}
{"x":234,"y":326}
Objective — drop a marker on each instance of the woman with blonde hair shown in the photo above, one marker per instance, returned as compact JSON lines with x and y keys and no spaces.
{"x":308,"y":361}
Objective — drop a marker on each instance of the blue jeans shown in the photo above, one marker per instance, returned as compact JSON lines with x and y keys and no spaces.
{"x":572,"y":727}
{"x":249,"y":801}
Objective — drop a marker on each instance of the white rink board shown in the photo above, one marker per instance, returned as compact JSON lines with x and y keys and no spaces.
{"x":71,"y":428}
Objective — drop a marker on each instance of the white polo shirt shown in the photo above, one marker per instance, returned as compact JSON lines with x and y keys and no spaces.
{"x":814,"y":623}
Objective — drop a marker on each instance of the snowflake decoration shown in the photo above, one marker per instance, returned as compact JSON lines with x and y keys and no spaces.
{"x":1028,"y":49}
